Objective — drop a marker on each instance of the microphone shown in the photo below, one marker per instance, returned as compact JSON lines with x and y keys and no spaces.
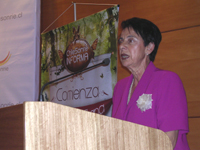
{"x":105,"y":62}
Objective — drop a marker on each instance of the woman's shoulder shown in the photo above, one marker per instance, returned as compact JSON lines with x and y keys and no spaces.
{"x":166,"y":75}
{"x":160,"y":74}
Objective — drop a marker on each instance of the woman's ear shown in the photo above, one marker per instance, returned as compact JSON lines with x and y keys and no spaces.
{"x":149,"y":48}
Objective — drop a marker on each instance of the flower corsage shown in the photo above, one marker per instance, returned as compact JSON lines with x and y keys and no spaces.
{"x":145,"y":102}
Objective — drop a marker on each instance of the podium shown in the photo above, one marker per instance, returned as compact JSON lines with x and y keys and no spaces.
{"x":50,"y":126}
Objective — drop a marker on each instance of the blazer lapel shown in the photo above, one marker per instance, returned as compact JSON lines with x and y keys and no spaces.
{"x":141,"y":87}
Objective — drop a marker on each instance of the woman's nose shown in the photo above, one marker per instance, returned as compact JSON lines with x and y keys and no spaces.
{"x":122,"y":46}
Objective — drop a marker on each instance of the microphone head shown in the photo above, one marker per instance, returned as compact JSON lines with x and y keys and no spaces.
{"x":106,"y":61}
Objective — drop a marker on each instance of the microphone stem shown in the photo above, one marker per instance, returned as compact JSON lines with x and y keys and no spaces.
{"x":41,"y":98}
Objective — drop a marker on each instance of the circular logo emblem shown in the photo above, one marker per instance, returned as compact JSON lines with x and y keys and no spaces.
{"x":77,"y":55}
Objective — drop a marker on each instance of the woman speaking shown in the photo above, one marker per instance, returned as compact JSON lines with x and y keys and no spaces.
{"x":149,"y":96}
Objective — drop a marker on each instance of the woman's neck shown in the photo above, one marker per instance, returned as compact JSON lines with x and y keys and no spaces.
{"x":137,"y":72}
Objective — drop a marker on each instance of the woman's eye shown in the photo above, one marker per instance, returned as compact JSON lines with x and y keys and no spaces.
{"x":120,"y":41}
{"x":130,"y":40}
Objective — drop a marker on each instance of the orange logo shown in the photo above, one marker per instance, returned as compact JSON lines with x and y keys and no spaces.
{"x":5,"y":60}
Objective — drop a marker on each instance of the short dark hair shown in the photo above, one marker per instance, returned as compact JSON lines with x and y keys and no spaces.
{"x":149,"y":32}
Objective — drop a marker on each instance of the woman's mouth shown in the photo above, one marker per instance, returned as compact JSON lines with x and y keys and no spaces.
{"x":124,"y":56}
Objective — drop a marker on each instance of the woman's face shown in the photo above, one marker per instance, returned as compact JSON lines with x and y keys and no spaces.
{"x":131,"y":49}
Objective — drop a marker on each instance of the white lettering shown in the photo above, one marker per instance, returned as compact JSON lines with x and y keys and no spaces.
{"x":77,"y":58}
{"x":99,"y":110}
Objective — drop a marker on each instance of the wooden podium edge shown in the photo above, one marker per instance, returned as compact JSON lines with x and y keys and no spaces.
{"x":46,"y":125}
{"x":55,"y":126}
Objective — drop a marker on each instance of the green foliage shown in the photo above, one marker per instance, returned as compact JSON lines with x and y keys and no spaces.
{"x":102,"y":25}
